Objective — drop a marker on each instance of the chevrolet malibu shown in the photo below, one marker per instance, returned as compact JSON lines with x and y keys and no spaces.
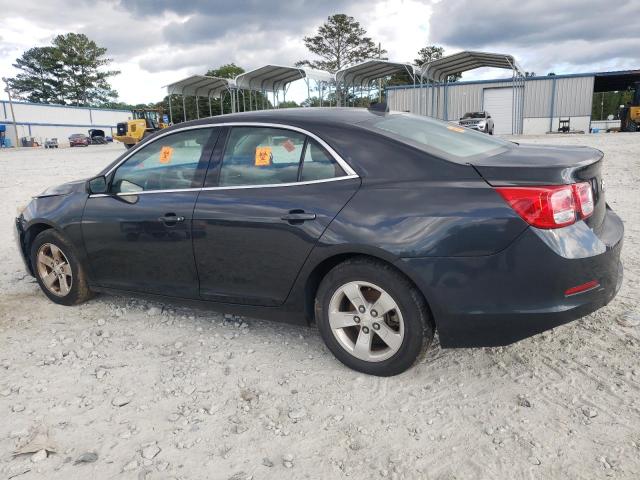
{"x":381,"y":228}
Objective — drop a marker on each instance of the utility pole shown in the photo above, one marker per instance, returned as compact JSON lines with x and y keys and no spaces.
{"x":13,"y":115}
{"x":380,"y":79}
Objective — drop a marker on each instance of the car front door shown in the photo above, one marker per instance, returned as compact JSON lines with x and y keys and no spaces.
{"x":274,"y":193}
{"x":138,"y":235}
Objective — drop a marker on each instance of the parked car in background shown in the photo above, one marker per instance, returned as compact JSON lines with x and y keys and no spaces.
{"x":51,"y":143}
{"x":379,"y":228}
{"x":97,"y":136}
{"x":79,"y":140}
{"x":480,"y":121}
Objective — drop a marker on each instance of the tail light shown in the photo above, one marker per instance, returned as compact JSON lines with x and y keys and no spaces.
{"x":550,"y":207}
{"x":584,"y":197}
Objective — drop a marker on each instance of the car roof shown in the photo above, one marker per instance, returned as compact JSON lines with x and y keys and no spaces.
{"x":295,"y":116}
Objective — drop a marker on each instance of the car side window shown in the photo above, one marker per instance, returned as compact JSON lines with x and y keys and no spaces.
{"x":318,"y":164}
{"x":261,"y":156}
{"x":169,"y":163}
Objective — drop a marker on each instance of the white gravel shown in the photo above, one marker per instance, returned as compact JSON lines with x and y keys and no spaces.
{"x":163,"y":391}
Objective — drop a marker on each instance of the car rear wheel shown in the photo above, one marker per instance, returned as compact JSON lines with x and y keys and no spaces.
{"x":59,"y":273}
{"x":372,"y":318}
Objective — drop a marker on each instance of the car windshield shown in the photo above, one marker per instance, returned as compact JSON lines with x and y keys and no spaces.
{"x":77,"y":135}
{"x":474,"y":115}
{"x":436,"y":137}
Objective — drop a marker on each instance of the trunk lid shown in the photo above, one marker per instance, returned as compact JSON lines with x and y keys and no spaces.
{"x":529,"y":165}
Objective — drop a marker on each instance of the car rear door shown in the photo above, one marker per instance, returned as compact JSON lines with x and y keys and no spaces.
{"x":138,"y":236}
{"x":271,"y":196}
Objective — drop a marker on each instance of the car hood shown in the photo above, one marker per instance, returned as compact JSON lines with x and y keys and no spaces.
{"x":64,"y":189}
{"x":471,"y":121}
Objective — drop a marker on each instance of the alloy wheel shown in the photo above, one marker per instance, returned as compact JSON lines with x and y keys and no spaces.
{"x":54,"y":269}
{"x":366,"y":321}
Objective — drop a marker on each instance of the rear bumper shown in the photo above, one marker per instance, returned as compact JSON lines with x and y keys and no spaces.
{"x":500,"y":299}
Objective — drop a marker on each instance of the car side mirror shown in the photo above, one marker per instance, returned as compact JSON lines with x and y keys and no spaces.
{"x":98,"y":184}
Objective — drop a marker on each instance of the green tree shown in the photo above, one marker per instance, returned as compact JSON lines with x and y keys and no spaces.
{"x":229,"y":70}
{"x":428,"y":54}
{"x":340,"y":42}
{"x":431,"y":53}
{"x":70,"y":71}
{"x":288,"y":104}
{"x":86,"y":83}
{"x":40,"y":80}
{"x":608,"y":103}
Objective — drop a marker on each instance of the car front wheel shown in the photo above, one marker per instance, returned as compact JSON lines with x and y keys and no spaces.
{"x":57,"y":269}
{"x":372,"y":318}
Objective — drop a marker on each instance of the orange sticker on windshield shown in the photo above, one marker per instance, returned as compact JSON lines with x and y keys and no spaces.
{"x":263,"y":156}
{"x":455,"y":129}
{"x":166,"y":154}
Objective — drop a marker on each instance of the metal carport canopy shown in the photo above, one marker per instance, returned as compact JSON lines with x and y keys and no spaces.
{"x":271,"y":78}
{"x":200,"y":86}
{"x":440,"y":69}
{"x":365,"y":72}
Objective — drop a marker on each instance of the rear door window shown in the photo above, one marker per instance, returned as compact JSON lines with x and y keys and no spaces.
{"x":318,"y":164}
{"x":261,"y":156}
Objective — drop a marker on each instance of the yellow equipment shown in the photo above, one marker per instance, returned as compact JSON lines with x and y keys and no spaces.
{"x":145,"y":122}
{"x":630,"y":113}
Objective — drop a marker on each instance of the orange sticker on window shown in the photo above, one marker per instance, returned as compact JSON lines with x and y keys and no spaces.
{"x":288,"y":145}
{"x":263,"y":156}
{"x":165,"y":154}
{"x":453,"y":128}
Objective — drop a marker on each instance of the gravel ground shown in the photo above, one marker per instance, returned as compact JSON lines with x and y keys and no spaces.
{"x":124,"y":388}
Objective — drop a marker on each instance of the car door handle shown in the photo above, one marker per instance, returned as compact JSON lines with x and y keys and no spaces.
{"x":298,"y":216}
{"x":171,"y":219}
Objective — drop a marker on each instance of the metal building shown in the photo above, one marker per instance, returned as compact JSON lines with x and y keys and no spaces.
{"x":546,"y":99}
{"x":41,"y":121}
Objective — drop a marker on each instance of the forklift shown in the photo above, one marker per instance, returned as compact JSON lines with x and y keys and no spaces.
{"x":145,"y":122}
{"x":630,"y":113}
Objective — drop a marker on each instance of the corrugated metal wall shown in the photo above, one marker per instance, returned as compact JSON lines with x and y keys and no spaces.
{"x":573,"y":97}
{"x":537,"y":98}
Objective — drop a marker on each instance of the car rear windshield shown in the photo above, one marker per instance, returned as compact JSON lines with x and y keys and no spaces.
{"x":436,"y":137}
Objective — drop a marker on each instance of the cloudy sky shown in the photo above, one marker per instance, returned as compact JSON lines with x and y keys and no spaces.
{"x":154,"y":42}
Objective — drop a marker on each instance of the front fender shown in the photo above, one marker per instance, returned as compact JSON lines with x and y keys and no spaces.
{"x":62,"y":213}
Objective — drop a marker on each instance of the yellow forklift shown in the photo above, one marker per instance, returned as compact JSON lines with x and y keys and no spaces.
{"x":145,"y":121}
{"x":630,"y":113}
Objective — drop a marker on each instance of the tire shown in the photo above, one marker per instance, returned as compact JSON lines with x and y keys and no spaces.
{"x":408,"y":324}
{"x":76,"y":290}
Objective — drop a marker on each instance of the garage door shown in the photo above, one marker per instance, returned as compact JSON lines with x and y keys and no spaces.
{"x":499,"y":103}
